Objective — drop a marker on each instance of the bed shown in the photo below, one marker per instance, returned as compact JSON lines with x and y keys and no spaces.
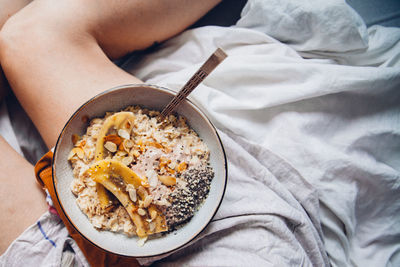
{"x":308,"y":108}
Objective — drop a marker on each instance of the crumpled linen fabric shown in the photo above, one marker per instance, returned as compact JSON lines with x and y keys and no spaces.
{"x":307,"y":105}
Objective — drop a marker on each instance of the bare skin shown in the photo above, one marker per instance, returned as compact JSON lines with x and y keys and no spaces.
{"x":56,"y":55}
{"x":8,"y":8}
{"x":17,"y":173}
{"x":18,"y":192}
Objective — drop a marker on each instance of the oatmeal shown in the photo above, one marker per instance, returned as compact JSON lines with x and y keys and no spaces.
{"x":137,"y":175}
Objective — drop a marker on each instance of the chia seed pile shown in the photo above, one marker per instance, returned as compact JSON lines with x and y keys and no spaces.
{"x":186,"y":201}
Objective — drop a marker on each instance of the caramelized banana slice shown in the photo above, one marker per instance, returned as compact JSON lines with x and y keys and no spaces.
{"x":158,"y":218}
{"x":118,"y":169}
{"x":104,"y":179}
{"x":120,"y":120}
{"x":102,"y":194}
{"x":102,"y":171}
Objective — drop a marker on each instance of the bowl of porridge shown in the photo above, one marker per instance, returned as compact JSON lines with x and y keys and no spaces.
{"x":134,"y":184}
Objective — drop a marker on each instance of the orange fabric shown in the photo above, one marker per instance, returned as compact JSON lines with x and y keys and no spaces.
{"x":94,"y":255}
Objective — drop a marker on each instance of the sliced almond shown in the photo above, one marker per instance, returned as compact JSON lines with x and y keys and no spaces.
{"x":89,"y":154}
{"x":128,"y":144}
{"x":152,"y":226}
{"x":141,"y":212}
{"x":145,"y":184}
{"x":163,"y":160}
{"x":172,"y":165}
{"x":153,"y":213}
{"x":82,"y":143}
{"x":132,"y":192}
{"x":142,"y":192}
{"x":71,"y":154}
{"x":141,"y":241}
{"x":186,"y":150}
{"x":127,"y":160}
{"x":121,"y":154}
{"x":135,"y":153}
{"x":163,"y":202}
{"x":76,"y":151}
{"x":154,"y":144}
{"x":124,"y":134}
{"x":167,"y":180}
{"x":110,"y":146}
{"x":152,"y":178}
{"x":147,"y":201}
{"x":80,"y":153}
{"x":171,"y":171}
{"x":113,"y":138}
{"x":182,"y":166}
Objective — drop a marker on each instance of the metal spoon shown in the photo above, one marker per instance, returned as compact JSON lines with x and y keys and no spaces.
{"x":212,"y":62}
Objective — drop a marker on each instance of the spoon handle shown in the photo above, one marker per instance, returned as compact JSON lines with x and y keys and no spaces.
{"x":212,"y":62}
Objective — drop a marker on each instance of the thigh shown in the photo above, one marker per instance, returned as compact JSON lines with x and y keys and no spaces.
{"x":56,"y":54}
{"x":22,"y":202}
{"x":7,"y":9}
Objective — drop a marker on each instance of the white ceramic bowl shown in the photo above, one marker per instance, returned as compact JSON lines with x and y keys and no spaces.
{"x":116,"y":99}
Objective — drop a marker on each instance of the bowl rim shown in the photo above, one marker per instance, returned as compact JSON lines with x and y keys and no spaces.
{"x":125,"y":86}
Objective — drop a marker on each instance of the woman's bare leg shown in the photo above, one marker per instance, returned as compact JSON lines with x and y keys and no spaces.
{"x":21,"y":199}
{"x":18,"y":187}
{"x":7,"y":9}
{"x":55,"y":54}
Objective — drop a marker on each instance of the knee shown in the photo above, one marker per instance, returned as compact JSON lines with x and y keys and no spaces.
{"x":19,"y":35}
{"x":39,"y":27}
{"x":10,"y":37}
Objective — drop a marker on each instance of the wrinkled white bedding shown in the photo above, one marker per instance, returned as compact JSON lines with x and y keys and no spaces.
{"x":6,"y":129}
{"x":308,"y":108}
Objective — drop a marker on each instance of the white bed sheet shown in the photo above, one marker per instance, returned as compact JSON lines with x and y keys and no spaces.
{"x":6,"y":129}
{"x":307,"y":105}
